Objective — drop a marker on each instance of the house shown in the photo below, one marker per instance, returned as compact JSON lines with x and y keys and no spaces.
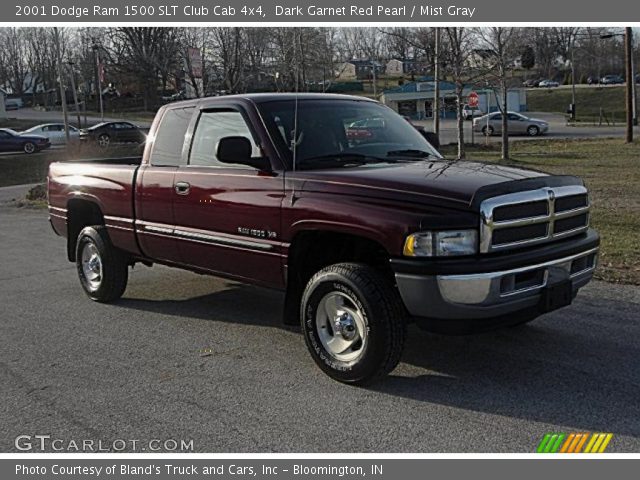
{"x":397,"y":68}
{"x":346,"y":71}
{"x":481,"y":58}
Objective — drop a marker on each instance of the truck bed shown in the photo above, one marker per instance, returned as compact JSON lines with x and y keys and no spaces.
{"x":107,"y":183}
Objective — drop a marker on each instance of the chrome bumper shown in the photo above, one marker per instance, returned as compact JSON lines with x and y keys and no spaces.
{"x":491,"y":294}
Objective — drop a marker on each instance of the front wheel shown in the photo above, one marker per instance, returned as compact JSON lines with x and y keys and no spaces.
{"x":29,"y":147}
{"x":353,"y":323}
{"x":487,"y":131}
{"x":102,"y":269}
{"x":533,"y":131}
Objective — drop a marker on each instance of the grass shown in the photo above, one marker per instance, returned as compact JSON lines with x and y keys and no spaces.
{"x":611,"y":171}
{"x":589,"y":101}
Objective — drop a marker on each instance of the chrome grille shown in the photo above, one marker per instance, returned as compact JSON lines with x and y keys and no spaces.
{"x":531,"y":217}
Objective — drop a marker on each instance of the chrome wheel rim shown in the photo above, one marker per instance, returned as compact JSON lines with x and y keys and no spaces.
{"x":341,"y":327}
{"x":103,"y":141}
{"x":533,"y":131}
{"x":91,"y":266}
{"x":29,"y":148}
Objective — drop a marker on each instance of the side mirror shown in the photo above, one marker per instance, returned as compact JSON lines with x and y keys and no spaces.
{"x":237,"y":150}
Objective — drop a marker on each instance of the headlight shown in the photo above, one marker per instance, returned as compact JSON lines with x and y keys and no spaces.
{"x":441,"y":244}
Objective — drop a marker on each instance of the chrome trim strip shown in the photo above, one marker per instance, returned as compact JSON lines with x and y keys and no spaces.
{"x":547,"y":194}
{"x":204,"y":237}
{"x":118,"y":219}
{"x":224,"y":241}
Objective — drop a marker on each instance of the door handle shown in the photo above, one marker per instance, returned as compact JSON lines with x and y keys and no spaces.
{"x":182,"y":188}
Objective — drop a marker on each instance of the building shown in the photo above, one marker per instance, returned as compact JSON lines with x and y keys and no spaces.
{"x":359,"y":69}
{"x":415,"y":99}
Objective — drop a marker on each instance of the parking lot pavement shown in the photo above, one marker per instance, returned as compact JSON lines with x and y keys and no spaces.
{"x":184,"y":356}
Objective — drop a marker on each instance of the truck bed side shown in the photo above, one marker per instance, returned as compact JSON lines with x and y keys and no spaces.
{"x":94,"y":192}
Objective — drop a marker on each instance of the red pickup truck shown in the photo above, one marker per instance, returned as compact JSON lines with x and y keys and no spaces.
{"x":364,"y":235}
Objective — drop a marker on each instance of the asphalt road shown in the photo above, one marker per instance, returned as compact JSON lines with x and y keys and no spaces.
{"x":558,"y":129}
{"x":135,"y":369}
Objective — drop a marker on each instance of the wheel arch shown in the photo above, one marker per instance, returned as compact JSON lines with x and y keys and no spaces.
{"x":81,"y":212}
{"x":313,"y":249}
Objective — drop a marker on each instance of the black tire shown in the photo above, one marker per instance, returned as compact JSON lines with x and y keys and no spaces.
{"x":104,"y":140}
{"x":487,"y":131}
{"x":113,"y":266}
{"x":382,"y":314}
{"x":29,"y":148}
{"x":533,"y":131}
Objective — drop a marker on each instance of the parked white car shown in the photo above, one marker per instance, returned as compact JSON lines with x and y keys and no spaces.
{"x":548,"y":84}
{"x":468,"y":112}
{"x":54,"y":132}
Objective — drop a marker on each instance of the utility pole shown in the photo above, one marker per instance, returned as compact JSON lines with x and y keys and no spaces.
{"x":631,"y":100}
{"x":63,"y":94}
{"x":628,"y":51}
{"x":375,"y":86}
{"x":573,"y":79}
{"x":75,"y":94}
{"x":96,"y":49}
{"x":436,"y":86}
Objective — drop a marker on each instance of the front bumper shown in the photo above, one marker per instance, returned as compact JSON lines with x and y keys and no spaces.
{"x":490,"y":292}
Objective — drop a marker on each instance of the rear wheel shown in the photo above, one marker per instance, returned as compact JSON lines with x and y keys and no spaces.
{"x":353,"y":322}
{"x":29,"y":147}
{"x":102,"y":269}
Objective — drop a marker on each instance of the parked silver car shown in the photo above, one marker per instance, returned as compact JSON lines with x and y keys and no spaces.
{"x":54,"y":132}
{"x":518,"y":124}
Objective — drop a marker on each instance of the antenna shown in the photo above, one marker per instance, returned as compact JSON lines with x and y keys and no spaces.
{"x":295,"y":111}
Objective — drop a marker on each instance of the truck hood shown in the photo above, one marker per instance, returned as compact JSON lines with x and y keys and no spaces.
{"x":456,"y":183}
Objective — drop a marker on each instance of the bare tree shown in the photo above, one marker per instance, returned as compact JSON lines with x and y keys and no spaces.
{"x":504,"y":45}
{"x":458,"y":48}
{"x":148,"y":54}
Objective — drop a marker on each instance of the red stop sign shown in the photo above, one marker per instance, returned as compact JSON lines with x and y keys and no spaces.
{"x":472,"y":100}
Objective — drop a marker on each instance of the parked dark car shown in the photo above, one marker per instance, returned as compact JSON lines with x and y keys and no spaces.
{"x":363,"y":234}
{"x":612,"y":80}
{"x":12,"y":141}
{"x":430,"y":137}
{"x":107,"y":133}
{"x":593,"y":80}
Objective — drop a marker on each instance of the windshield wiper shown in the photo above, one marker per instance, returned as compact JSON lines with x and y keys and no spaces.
{"x":334,"y":160}
{"x":411,"y":153}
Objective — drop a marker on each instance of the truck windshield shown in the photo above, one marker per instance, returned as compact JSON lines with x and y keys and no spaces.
{"x":342,"y":133}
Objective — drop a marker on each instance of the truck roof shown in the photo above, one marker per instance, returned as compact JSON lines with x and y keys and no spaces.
{"x":268,"y":97}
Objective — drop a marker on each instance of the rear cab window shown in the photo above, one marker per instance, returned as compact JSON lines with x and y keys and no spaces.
{"x":170,"y":137}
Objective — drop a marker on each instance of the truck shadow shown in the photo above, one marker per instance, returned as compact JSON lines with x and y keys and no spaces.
{"x":573,"y":368}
